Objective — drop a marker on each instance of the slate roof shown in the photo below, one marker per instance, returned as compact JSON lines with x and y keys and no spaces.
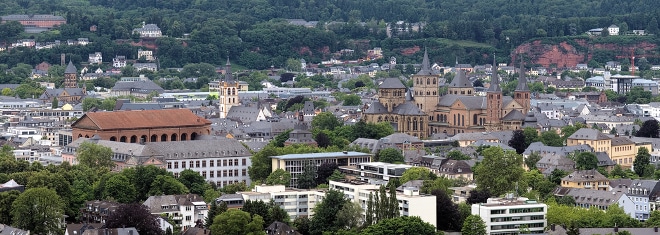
{"x":426,"y":67}
{"x":588,"y":134}
{"x":154,"y":203}
{"x":280,"y":228}
{"x":213,"y":147}
{"x":70,"y":68}
{"x":594,"y":197}
{"x":80,"y":228}
{"x":376,"y":108}
{"x":585,"y":175}
{"x":142,"y":119}
{"x":470,"y":102}
{"x":461,"y":80}
{"x":392,"y":83}
{"x":514,"y":115}
{"x":407,"y":108}
{"x":243,"y":114}
{"x":308,"y":107}
{"x":618,"y":141}
{"x":522,"y":80}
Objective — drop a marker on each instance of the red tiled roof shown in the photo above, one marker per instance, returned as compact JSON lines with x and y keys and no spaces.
{"x":143,"y":119}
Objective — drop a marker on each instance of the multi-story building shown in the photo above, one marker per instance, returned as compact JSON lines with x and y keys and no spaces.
{"x":148,"y":55}
{"x":148,"y":31}
{"x":97,"y":211}
{"x":641,"y":192}
{"x":119,"y":61}
{"x":375,"y":172}
{"x":620,"y":149}
{"x":411,"y":202}
{"x":587,"y":179}
{"x":96,"y":58}
{"x":295,"y":163}
{"x":40,"y":21}
{"x":508,"y":215}
{"x":297,"y":203}
{"x":185,"y":209}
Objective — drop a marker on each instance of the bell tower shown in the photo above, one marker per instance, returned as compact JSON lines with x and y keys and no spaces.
{"x":228,"y":91}
{"x":522,"y":94}
{"x":70,"y":76}
{"x":494,"y":100}
{"x":425,"y":85}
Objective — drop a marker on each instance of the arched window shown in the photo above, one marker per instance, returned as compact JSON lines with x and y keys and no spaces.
{"x":163,"y":138}
{"x":122,"y":139}
{"x":154,"y":138}
{"x":112,"y":138}
{"x":173,"y":138}
{"x":428,"y":81}
{"x":86,"y":136}
{"x":184,"y":137}
{"x":474,"y":119}
{"x":79,"y":135}
{"x":144,"y":138}
{"x":193,"y":136}
{"x":434,"y":81}
{"x":133,"y":139}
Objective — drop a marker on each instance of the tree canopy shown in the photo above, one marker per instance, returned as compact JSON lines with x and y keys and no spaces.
{"x":498,"y":170}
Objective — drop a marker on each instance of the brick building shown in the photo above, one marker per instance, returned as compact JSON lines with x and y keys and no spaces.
{"x":142,"y":126}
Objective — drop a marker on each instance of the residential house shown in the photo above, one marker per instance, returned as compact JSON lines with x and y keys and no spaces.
{"x":96,"y":58}
{"x":185,"y":209}
{"x":613,"y":30}
{"x":586,"y":198}
{"x":148,"y":31}
{"x":119,"y":61}
{"x":146,"y":54}
{"x":585,"y":179}
{"x":642,"y":193}
{"x":97,"y":211}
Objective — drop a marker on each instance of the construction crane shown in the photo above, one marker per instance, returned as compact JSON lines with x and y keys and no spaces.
{"x":632,"y":59}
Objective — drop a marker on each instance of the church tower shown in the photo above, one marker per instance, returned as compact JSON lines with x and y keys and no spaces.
{"x":461,"y":85}
{"x":522,"y":94}
{"x":70,"y":76}
{"x":425,"y":85}
{"x":228,"y":92}
{"x":494,"y":100}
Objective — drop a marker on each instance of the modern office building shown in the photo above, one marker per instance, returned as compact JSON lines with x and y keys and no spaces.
{"x":295,"y":163}
{"x":296,"y":202}
{"x":375,"y":172}
{"x":505,"y":216}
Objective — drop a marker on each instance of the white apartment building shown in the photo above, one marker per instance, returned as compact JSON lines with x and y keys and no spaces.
{"x":297,"y":203}
{"x":375,"y":172}
{"x":185,"y":209}
{"x":411,"y":202}
{"x":148,"y":54}
{"x":505,"y":216}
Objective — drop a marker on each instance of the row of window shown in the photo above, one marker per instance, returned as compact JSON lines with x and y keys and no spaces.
{"x":203,"y":163}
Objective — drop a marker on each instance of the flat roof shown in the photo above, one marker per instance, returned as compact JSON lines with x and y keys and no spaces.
{"x":320,"y":155}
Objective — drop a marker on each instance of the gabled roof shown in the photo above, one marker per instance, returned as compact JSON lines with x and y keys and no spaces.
{"x":588,"y":134}
{"x":407,"y":108}
{"x":375,"y":108}
{"x":140,"y":119}
{"x":514,"y":115}
{"x":392,"y":83}
{"x":426,"y":67}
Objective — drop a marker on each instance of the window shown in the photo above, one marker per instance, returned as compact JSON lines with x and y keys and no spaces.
{"x":169,"y":165}
{"x":236,"y":172}
{"x":243,"y":172}
{"x":211,"y":174}
{"x":176,"y":165}
{"x":231,"y":163}
{"x":211,"y":163}
{"x":244,"y":162}
{"x":224,"y":173}
{"x":188,"y":218}
{"x":203,"y":163}
{"x":235,"y":162}
{"x":204,"y":174}
{"x":231,"y":173}
{"x":183,"y":165}
{"x":197,"y":164}
{"x":224,"y":162}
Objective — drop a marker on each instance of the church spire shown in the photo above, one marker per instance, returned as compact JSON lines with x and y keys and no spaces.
{"x":426,"y":65}
{"x":494,"y":79}
{"x":228,"y":75}
{"x":522,"y":79}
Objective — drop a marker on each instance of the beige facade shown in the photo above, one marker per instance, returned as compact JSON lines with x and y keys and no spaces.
{"x":395,"y":106}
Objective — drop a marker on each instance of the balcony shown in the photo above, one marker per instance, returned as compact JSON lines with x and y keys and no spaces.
{"x":177,"y":218}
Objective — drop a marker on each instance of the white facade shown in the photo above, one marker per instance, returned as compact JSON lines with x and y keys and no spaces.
{"x":376,"y":172}
{"x":148,"y":55}
{"x":297,"y":203}
{"x":96,"y":58}
{"x":613,"y":30}
{"x":185,"y":209}
{"x":411,"y":203}
{"x":505,"y":216}
{"x":223,"y":171}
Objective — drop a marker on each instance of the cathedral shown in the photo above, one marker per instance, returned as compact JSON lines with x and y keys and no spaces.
{"x":423,"y":111}
{"x":461,"y":111}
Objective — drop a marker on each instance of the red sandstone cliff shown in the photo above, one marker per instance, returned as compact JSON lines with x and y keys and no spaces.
{"x":565,"y":55}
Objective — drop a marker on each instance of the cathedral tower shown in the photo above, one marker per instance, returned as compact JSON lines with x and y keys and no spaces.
{"x":425,"y":85}
{"x":70,"y":76}
{"x":522,"y":94}
{"x":494,"y":100}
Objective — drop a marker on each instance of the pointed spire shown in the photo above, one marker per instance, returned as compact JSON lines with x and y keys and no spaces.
{"x":426,"y":65}
{"x":70,"y":68}
{"x":494,"y":78}
{"x":522,"y":79}
{"x":228,"y":75}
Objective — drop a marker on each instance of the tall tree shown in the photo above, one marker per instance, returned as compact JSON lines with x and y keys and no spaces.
{"x":650,"y":129}
{"x":325,"y":121}
{"x":279,"y":177}
{"x":448,"y":216}
{"x":416,"y":173}
{"x":193,"y":181}
{"x":39,"y":210}
{"x":499,"y":170}
{"x":237,"y":222}
{"x":324,"y":171}
{"x":532,"y":159}
{"x":350,"y":216}
{"x":551,"y":138}
{"x":531,"y":136}
{"x":167,"y":185}
{"x":95,"y":156}
{"x":215,"y":210}
{"x":118,"y":187}
{"x":325,"y":213}
{"x":6,"y":200}
{"x":473,"y":225}
{"x":478,"y":196}
{"x":517,"y":141}
{"x":393,"y":204}
{"x":642,"y":163}
{"x":586,"y":161}
{"x":307,"y":179}
{"x":369,"y":215}
{"x":390,"y":155}
{"x":134,"y":215}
